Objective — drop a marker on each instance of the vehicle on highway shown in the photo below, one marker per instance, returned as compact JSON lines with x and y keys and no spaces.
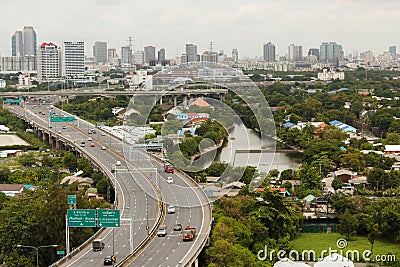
{"x":170,"y":180}
{"x":103,"y":134}
{"x":98,"y":245}
{"x":118,"y":163}
{"x":162,"y":230}
{"x":64,"y":127}
{"x":59,"y":131}
{"x":169,"y":168}
{"x":82,"y":144}
{"x":92,"y":145}
{"x":178,"y":227}
{"x":188,"y":233}
{"x":109,"y":260}
{"x":103,"y":148}
{"x":171,"y":209}
{"x":90,"y":139}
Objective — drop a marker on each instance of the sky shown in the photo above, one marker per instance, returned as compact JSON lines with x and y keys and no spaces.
{"x":358,"y":25}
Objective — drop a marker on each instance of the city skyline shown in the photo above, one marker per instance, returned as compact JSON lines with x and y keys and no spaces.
{"x":246,"y":25}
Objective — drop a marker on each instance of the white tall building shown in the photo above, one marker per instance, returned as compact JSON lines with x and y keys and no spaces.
{"x":295,"y":53}
{"x":191,"y":53}
{"x":73,"y":58}
{"x":49,"y":62}
{"x":30,"y":42}
{"x":138,"y":57}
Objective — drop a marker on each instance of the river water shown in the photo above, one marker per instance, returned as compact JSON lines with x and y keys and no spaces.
{"x":241,"y":138}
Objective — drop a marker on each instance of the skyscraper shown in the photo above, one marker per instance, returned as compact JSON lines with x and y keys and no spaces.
{"x":161,"y":56}
{"x":314,"y":52}
{"x":392,"y":50}
{"x":49,"y":62}
{"x":29,"y":42}
{"x":295,"y":53}
{"x":331,"y":52}
{"x":73,"y":58}
{"x":138,"y":57}
{"x":17,"y":44}
{"x":191,"y":53}
{"x":149,"y":53}
{"x":100,"y":52}
{"x":126,"y":55}
{"x":269,"y":52}
{"x":235,"y":54}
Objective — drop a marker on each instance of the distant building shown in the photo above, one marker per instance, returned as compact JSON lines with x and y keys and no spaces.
{"x":149,"y":54}
{"x":24,"y":81}
{"x":235,"y":54}
{"x":49,"y":62}
{"x":392,"y":50}
{"x":295,"y":53}
{"x":100,"y":52}
{"x":18,"y":63}
{"x":126,"y":55}
{"x":112,"y":56}
{"x":17,"y":44}
{"x":209,"y":57}
{"x":138,"y":58}
{"x":12,"y":190}
{"x":269,"y":52}
{"x":330,"y":75}
{"x":314,"y":52}
{"x":161,"y":56}
{"x":73,"y":59}
{"x":331,"y":53}
{"x":191,"y":53}
{"x":2,"y":83}
{"x":369,"y":57}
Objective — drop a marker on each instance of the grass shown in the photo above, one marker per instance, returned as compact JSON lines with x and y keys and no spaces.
{"x":324,"y":241}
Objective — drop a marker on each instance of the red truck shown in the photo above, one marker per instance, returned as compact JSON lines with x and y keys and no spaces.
{"x":168,"y":167}
{"x":188,"y":233}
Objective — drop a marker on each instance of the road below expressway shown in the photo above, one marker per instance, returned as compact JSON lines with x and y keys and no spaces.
{"x":137,"y":180}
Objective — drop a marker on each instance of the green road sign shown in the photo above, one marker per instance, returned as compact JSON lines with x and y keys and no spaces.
{"x":71,"y":199}
{"x":62,"y":118}
{"x":60,"y":252}
{"x":81,"y":218}
{"x":108,"y":218}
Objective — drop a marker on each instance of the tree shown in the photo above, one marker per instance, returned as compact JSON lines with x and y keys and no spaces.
{"x":337,"y":184}
{"x":310,"y":177}
{"x":348,"y":224}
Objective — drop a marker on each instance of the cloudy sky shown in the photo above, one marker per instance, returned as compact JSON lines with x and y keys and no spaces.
{"x":358,"y":25}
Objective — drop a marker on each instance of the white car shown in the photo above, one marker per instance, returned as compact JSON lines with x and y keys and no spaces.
{"x":103,"y":148}
{"x":118,"y":163}
{"x":170,"y":180}
{"x":171,"y":209}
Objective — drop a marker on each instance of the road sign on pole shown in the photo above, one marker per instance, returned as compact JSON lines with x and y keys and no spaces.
{"x":108,"y":218}
{"x":71,"y":199}
{"x":62,"y":118}
{"x":60,"y":252}
{"x":81,"y":218}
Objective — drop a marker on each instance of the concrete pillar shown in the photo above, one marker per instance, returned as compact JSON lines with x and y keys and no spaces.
{"x":196,"y":263}
{"x":161,"y":100}
{"x":57,"y":143}
{"x":185,"y":100}
{"x":175,"y":101}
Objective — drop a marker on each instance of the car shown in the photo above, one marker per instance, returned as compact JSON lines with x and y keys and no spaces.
{"x":171,"y":209}
{"x":178,"y":227}
{"x":162,"y":230}
{"x":118,"y":163}
{"x":90,"y":139}
{"x":82,"y":144}
{"x":109,"y":260}
{"x":92,"y":145}
{"x":59,"y":131}
{"x":170,"y":180}
{"x":103,"y":148}
{"x":103,"y":134}
{"x":64,"y":127}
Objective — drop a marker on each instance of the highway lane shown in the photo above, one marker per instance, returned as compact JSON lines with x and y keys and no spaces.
{"x":133,"y":202}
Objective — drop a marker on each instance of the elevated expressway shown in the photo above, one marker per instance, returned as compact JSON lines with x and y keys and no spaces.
{"x":142,"y":197}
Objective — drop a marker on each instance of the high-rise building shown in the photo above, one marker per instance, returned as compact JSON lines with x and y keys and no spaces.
{"x":112,"y":56}
{"x":209,"y":56}
{"x":161,"y":56}
{"x":17,"y":44}
{"x":295,"y":53}
{"x":73,"y":58}
{"x":29,"y":41}
{"x":314,"y":52}
{"x":100,"y":52}
{"x":49,"y":62}
{"x":269,"y":52}
{"x":149,"y":54}
{"x":392,"y":50}
{"x":331,"y":52}
{"x":369,"y":57}
{"x":126,"y":55}
{"x":138,"y":57}
{"x":235,"y":54}
{"x":191,"y":53}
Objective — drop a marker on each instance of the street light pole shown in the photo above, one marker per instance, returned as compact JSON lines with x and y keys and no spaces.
{"x":37,"y":250}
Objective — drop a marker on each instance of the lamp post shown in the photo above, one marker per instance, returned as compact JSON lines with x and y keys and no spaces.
{"x":37,"y":250}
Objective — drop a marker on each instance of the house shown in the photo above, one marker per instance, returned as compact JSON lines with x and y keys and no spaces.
{"x":182,"y":116}
{"x":358,"y":180}
{"x":200,"y":102}
{"x":12,"y":190}
{"x":92,"y":193}
{"x":234,"y":185}
{"x":344,"y":175}
{"x":392,"y":150}
{"x":281,"y":191}
{"x":82,"y":182}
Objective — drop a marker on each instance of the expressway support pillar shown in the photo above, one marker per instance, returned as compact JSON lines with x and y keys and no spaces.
{"x":161,"y":100}
{"x":196,"y":263}
{"x":185,"y":100}
{"x":175,"y":101}
{"x":57,"y":143}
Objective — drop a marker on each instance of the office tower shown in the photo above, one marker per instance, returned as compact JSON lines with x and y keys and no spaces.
{"x":149,"y":54}
{"x":29,"y":41}
{"x":314,"y":52}
{"x":331,"y":52}
{"x":392,"y":50}
{"x":49,"y":62}
{"x":112,"y":56}
{"x":269,"y":52}
{"x":73,"y":58}
{"x":369,"y":57}
{"x":235,"y":54}
{"x":126,"y":55}
{"x":191,"y":53}
{"x":209,"y":57}
{"x":17,"y":44}
{"x":295,"y":53}
{"x":161,"y":56}
{"x":100,"y":52}
{"x":138,"y":57}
